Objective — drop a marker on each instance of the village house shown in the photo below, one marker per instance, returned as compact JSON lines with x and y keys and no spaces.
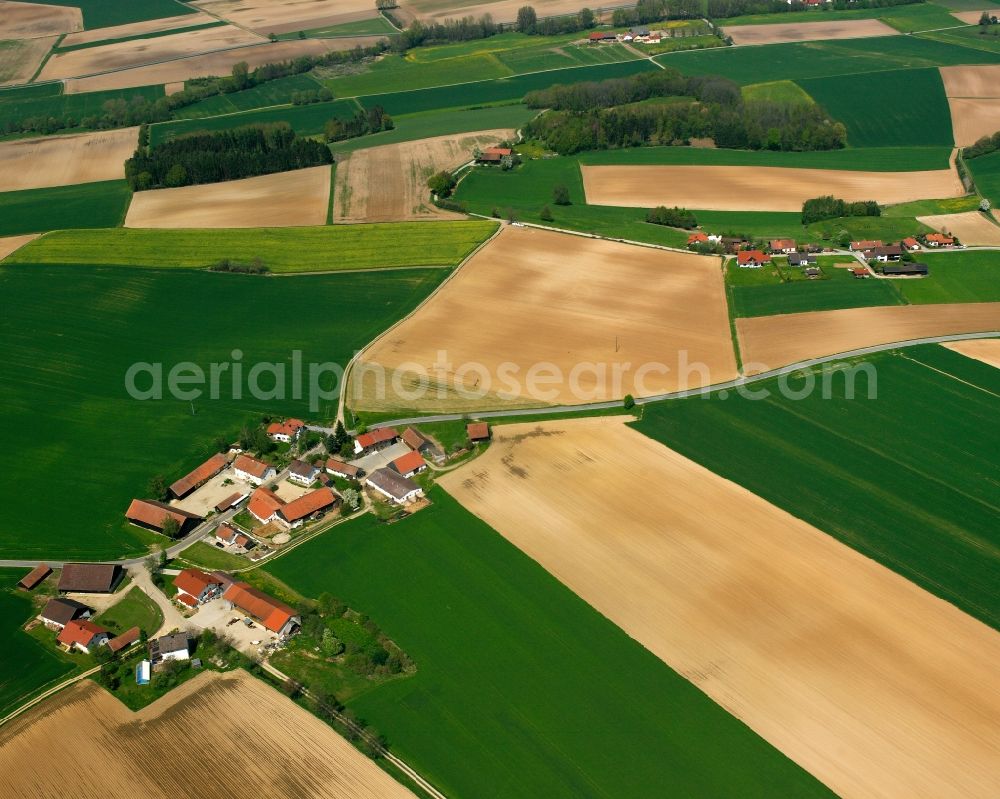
{"x":152,"y":515}
{"x":812,"y":272}
{"x":911,"y":244}
{"x":90,"y":578}
{"x":861,"y":272}
{"x":477,"y":432}
{"x":83,"y":635}
{"x":375,"y":440}
{"x":905,"y":268}
{"x":295,"y":513}
{"x":229,"y":536}
{"x":273,"y":615}
{"x":493,"y":155}
{"x":195,"y":587}
{"x":891,"y":252}
{"x":303,"y":473}
{"x":393,"y":486}
{"x":198,"y":477}
{"x":125,"y":640}
{"x":598,"y":37}
{"x":938,"y":240}
{"x":341,"y":469}
{"x":697,"y":238}
{"x":785,"y":246}
{"x":796,"y":258}
{"x":59,"y":612}
{"x":252,"y":470}
{"x":176,"y":646}
{"x":418,"y":442}
{"x":733,"y":244}
{"x":409,"y":464}
{"x":861,"y":246}
{"x":752,"y":259}
{"x":31,"y":580}
{"x":287,"y":431}
{"x":264,"y":505}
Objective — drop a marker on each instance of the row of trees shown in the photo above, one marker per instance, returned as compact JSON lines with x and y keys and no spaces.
{"x":829,"y":207}
{"x":365,"y":121}
{"x":216,"y":156}
{"x":647,"y":11}
{"x":672,"y":217}
{"x":985,"y":146}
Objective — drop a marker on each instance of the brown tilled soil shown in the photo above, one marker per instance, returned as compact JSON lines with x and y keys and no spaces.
{"x":9,"y":244}
{"x":389,"y":183}
{"x":808,"y":31}
{"x":584,"y":319}
{"x":217,"y":735}
{"x":500,"y":10}
{"x":986,"y":350}
{"x":768,"y":342}
{"x":971,"y":81}
{"x":971,"y":227}
{"x":974,"y":117}
{"x":30,"y":20}
{"x":284,"y":199}
{"x":282,"y":16}
{"x":20,"y":59}
{"x":756,"y":188}
{"x":870,"y":683}
{"x":65,"y":160}
{"x":137,"y":29}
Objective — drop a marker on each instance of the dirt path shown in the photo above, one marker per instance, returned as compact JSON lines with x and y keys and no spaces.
{"x":173,"y":619}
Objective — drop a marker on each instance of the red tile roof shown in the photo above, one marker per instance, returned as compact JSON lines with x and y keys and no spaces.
{"x":477,"y":431}
{"x":290,"y":427}
{"x":187,"y":599}
{"x":225,"y":532}
{"x":783,"y":244}
{"x":193,"y":581}
{"x":940,"y":238}
{"x":228,"y":502}
{"x":866,"y":245}
{"x":245,"y":463}
{"x":264,"y":503}
{"x":694,"y":238}
{"x":153,"y":513}
{"x":271,"y":613}
{"x":34,"y":577}
{"x":746,"y":256}
{"x":195,"y":478}
{"x":379,"y":436}
{"x":308,"y":504}
{"x":119,"y":642}
{"x":339,"y":467}
{"x":909,"y":241}
{"x":407,"y":463}
{"x":79,"y":631}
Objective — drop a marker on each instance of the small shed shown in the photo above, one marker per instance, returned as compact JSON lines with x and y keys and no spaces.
{"x":478,"y":431}
{"x":34,"y":577}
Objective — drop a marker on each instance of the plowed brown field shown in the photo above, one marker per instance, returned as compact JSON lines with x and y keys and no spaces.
{"x":808,"y":31}
{"x":20,"y":59}
{"x":137,"y":29}
{"x":226,"y":734}
{"x":282,"y":16}
{"x":284,"y":199}
{"x":971,"y":227}
{"x":756,"y":188}
{"x":870,"y":683}
{"x":974,"y":99}
{"x":389,"y":183}
{"x":768,"y":342}
{"x":582,"y":319}
{"x":29,"y":20}
{"x":986,"y":350}
{"x":500,"y":10}
{"x":9,"y":244}
{"x":65,"y":160}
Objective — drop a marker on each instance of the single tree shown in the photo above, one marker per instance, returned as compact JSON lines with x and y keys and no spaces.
{"x":170,"y":528}
{"x":241,"y":75}
{"x":441,"y":183}
{"x":586,"y":18}
{"x":545,"y":214}
{"x":157,"y":488}
{"x":527,"y":20}
{"x":560,"y":195}
{"x":629,"y":402}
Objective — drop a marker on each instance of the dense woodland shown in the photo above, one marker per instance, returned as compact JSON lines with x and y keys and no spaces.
{"x":365,"y":121}
{"x":829,"y":207}
{"x":610,"y":114}
{"x":223,"y":155}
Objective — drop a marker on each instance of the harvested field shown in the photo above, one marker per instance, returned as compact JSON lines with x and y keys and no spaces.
{"x":768,"y":342}
{"x":10,"y":243}
{"x":986,"y":350}
{"x":30,"y":20}
{"x":220,"y":63}
{"x":20,"y":59}
{"x":389,"y":183}
{"x":172,"y":88}
{"x":598,"y":318}
{"x":282,"y":16}
{"x":871,"y":684}
{"x":808,"y":31}
{"x":284,"y":199}
{"x":136,"y":29}
{"x":65,"y":160}
{"x":136,"y":52}
{"x":221,"y":731}
{"x":500,"y":10}
{"x":972,"y":17}
{"x":972,"y":81}
{"x":971,"y":227}
{"x":758,"y":188}
{"x":973,"y":118}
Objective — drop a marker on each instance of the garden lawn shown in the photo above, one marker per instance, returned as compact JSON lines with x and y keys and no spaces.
{"x":206,"y":556}
{"x":106,"y":13}
{"x":26,"y":666}
{"x":86,"y":205}
{"x":520,"y":685}
{"x":908,"y":479}
{"x":283,"y":250}
{"x":971,"y":276}
{"x":71,"y":333}
{"x":135,"y":609}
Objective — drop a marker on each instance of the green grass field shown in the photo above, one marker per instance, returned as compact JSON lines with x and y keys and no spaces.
{"x":778,"y":91}
{"x":886,"y":228}
{"x":974,"y":37}
{"x":986,"y":173}
{"x":27,"y":665}
{"x":520,"y":685}
{"x":887,"y":109}
{"x":81,"y":206}
{"x":972,"y":276}
{"x":951,"y":205}
{"x":71,"y":333}
{"x":908,"y":479}
{"x":376,"y":26}
{"x":206,"y":556}
{"x":135,"y":609}
{"x":283,"y":250}
{"x":918,"y":17}
{"x":274,"y":92}
{"x":105,"y":13}
{"x":20,"y":104}
{"x":922,"y":16}
{"x":967,"y":5}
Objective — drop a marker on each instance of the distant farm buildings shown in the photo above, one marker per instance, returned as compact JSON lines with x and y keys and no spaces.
{"x":152,"y":515}
{"x":393,"y":486}
{"x":199,"y":476}
{"x":252,"y":470}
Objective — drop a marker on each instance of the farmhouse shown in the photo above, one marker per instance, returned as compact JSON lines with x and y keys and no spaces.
{"x":891,"y":252}
{"x":296,"y":512}
{"x":477,"y":431}
{"x":801,"y":259}
{"x":415,"y":440}
{"x":60,"y":611}
{"x":90,"y":578}
{"x":83,"y":635}
{"x":152,"y":515}
{"x":176,"y":646}
{"x":602,"y":36}
{"x":786,"y":246}
{"x":125,"y":640}
{"x":264,"y":505}
{"x":195,"y":586}
{"x":938,"y":240}
{"x":697,"y":238}
{"x":393,"y":486}
{"x":911,"y":243}
{"x":252,"y":470}
{"x":409,"y":464}
{"x":905,"y":268}
{"x":341,"y":469}
{"x":302,"y":473}
{"x":34,"y":577}
{"x":752,"y":259}
{"x":274,"y":615}
{"x":229,"y":536}
{"x":375,"y":440}
{"x":493,"y":155}
{"x":861,"y":246}
{"x":286,"y":431}
{"x":199,"y":476}
{"x":861,"y":273}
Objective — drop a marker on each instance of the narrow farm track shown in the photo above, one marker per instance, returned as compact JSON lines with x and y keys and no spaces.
{"x":46,"y":694}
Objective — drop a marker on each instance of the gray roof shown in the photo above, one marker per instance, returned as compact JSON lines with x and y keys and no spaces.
{"x":392,"y":483}
{"x":173,"y":642}
{"x":63,"y":611}
{"x":905,"y":269}
{"x":302,"y":468}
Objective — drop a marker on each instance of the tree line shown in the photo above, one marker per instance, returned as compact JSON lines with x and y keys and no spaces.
{"x":470,"y":28}
{"x":364,"y":121}
{"x":984,"y":146}
{"x":212,"y":157}
{"x":646,"y":11}
{"x":829,"y":207}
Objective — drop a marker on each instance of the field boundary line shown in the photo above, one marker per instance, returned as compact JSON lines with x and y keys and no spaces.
{"x":949,"y":374}
{"x":46,"y":694}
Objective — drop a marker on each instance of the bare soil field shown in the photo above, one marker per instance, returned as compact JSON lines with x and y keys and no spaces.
{"x":971,"y":227}
{"x":501,"y":10}
{"x":978,"y":81}
{"x":808,"y":31}
{"x":986,"y":350}
{"x":136,"y":52}
{"x":65,"y":160}
{"x":870,"y":683}
{"x":389,"y":183}
{"x":137,"y":29}
{"x":20,"y":59}
{"x":171,"y":88}
{"x":222,"y":732}
{"x":284,"y":199}
{"x":756,"y":188}
{"x":30,"y":20}
{"x":972,"y":17}
{"x":538,"y":317}
{"x":9,"y":244}
{"x":282,"y":16}
{"x":220,"y":63}
{"x":973,"y":118}
{"x":769,"y":342}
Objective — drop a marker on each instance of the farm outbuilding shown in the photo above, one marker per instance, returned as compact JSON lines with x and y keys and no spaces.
{"x":90,"y":578}
{"x":199,"y":476}
{"x":34,"y":577}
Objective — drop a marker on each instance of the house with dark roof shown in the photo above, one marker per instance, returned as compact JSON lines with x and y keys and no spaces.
{"x":198,"y":477}
{"x":375,"y":440}
{"x":31,"y":580}
{"x":393,"y":486}
{"x":83,"y":635}
{"x":252,"y":470}
{"x":90,"y":578}
{"x":302,"y":473}
{"x":231,"y":501}
{"x":797,"y":258}
{"x":60,"y":611}
{"x":906,"y":268}
{"x":890,"y":252}
{"x":273,"y":615}
{"x":152,"y":515}
{"x":195,"y":586}
{"x":176,"y":646}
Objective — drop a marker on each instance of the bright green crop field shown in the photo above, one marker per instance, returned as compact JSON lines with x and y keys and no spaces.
{"x":71,"y":333}
{"x":922,"y":16}
{"x":105,"y":13}
{"x":908,"y":479}
{"x":98,"y":205}
{"x":284,"y":250}
{"x":520,"y":685}
{"x":971,"y":276}
{"x":274,"y":92}
{"x":986,"y":172}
